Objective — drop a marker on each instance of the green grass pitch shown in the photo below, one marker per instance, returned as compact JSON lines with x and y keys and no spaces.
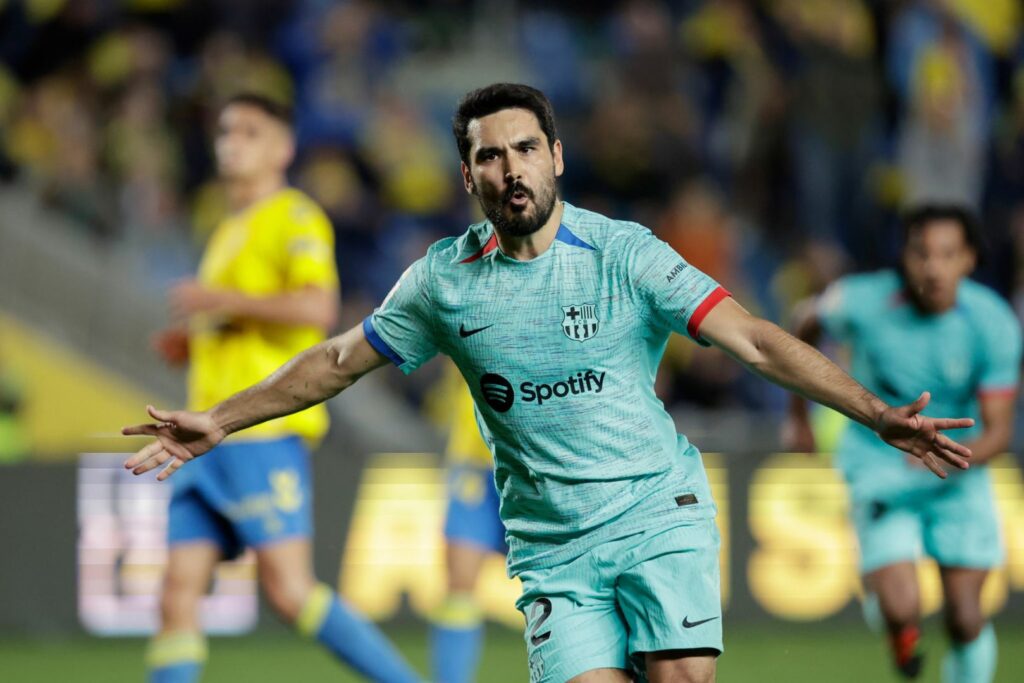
{"x":772,"y":652}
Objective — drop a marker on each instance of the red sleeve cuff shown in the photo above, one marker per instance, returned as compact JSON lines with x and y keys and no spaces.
{"x":710,"y":301}
{"x":997,"y":392}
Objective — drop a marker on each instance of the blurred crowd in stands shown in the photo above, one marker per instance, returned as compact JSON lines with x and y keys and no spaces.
{"x":772,"y":142}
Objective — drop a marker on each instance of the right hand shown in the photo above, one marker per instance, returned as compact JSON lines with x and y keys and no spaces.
{"x":172,"y":345}
{"x":798,"y":435}
{"x":180,"y":436}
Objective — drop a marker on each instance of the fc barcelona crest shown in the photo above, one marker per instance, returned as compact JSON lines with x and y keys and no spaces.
{"x":580,"y":321}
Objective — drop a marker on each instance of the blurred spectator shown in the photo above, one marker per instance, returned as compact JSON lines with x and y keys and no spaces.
{"x":339,"y":54}
{"x":1004,"y":227}
{"x":1017,"y":235}
{"x":334,"y":179}
{"x":142,"y":157}
{"x":998,"y":23}
{"x":53,"y":138}
{"x":943,"y":77}
{"x":815,"y":266}
{"x":413,"y":167}
{"x":698,"y":225}
{"x":732,"y":84}
{"x":834,"y":112}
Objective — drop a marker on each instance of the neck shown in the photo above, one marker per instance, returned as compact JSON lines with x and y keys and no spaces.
{"x":244,"y":193}
{"x":533,"y":245}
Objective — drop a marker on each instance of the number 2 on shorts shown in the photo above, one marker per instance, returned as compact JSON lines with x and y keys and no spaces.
{"x":544,"y":606}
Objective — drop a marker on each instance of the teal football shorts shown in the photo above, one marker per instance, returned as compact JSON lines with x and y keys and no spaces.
{"x":650,"y":591}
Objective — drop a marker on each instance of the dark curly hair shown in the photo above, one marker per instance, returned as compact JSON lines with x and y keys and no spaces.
{"x":917,"y":217}
{"x":495,"y":97}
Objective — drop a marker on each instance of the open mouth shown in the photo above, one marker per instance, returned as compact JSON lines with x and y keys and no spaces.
{"x":518,"y":198}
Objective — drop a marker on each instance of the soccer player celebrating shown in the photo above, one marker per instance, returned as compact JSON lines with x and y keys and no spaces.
{"x":267,"y":288}
{"x":925,"y":325}
{"x":557,"y":317}
{"x":472,"y":530}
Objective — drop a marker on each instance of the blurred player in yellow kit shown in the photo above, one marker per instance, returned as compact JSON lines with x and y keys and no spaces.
{"x":472,"y":530}
{"x":267,"y":288}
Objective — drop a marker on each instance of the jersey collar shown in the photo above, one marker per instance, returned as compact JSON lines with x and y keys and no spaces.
{"x":564,"y":234}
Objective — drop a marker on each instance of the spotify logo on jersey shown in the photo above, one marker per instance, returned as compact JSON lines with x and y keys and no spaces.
{"x":497,"y":392}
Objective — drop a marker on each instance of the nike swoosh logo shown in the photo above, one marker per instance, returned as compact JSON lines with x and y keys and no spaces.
{"x":463,"y":332}
{"x":690,"y":624}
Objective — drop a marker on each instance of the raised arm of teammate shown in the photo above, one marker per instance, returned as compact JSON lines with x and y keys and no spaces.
{"x":309,"y":305}
{"x":309,"y":378}
{"x":997,"y":408}
{"x":781,"y":358}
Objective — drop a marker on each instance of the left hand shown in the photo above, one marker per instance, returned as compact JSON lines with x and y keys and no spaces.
{"x":188,"y":297}
{"x":905,"y":428}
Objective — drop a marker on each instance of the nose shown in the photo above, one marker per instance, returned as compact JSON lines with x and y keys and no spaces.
{"x":933,"y":267}
{"x":513,"y":171}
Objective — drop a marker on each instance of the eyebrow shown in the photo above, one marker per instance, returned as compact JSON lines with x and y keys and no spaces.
{"x":532,"y":140}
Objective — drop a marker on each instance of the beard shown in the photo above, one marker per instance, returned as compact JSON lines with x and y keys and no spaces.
{"x":520,"y":223}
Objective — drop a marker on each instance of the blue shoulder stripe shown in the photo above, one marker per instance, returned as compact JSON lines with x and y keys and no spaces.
{"x":566,"y":235}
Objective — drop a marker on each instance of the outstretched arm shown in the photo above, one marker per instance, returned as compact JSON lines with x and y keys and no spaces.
{"x":779,"y":357}
{"x":309,"y":378}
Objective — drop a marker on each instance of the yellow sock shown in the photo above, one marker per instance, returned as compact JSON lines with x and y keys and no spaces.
{"x":459,"y":610}
{"x":176,"y":648}
{"x":314,"y":612}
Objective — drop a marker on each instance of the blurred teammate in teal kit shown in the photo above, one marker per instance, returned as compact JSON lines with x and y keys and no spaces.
{"x":925,"y":325}
{"x":557,"y":317}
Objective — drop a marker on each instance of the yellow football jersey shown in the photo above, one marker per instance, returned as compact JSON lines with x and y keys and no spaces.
{"x":280,"y":244}
{"x":465,"y":445}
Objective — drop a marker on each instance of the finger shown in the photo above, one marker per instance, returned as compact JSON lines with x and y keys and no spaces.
{"x":171,"y":468}
{"x":947,"y":444}
{"x":177,"y":450}
{"x":146,"y":430}
{"x":161,"y":415}
{"x":952,"y":422}
{"x":932,"y":463}
{"x":952,"y":457}
{"x":142,"y":455}
{"x":917,"y":406}
{"x":153,"y":461}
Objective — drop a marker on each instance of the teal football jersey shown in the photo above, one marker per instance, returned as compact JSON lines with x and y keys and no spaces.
{"x":560,"y":354}
{"x":899,"y":351}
